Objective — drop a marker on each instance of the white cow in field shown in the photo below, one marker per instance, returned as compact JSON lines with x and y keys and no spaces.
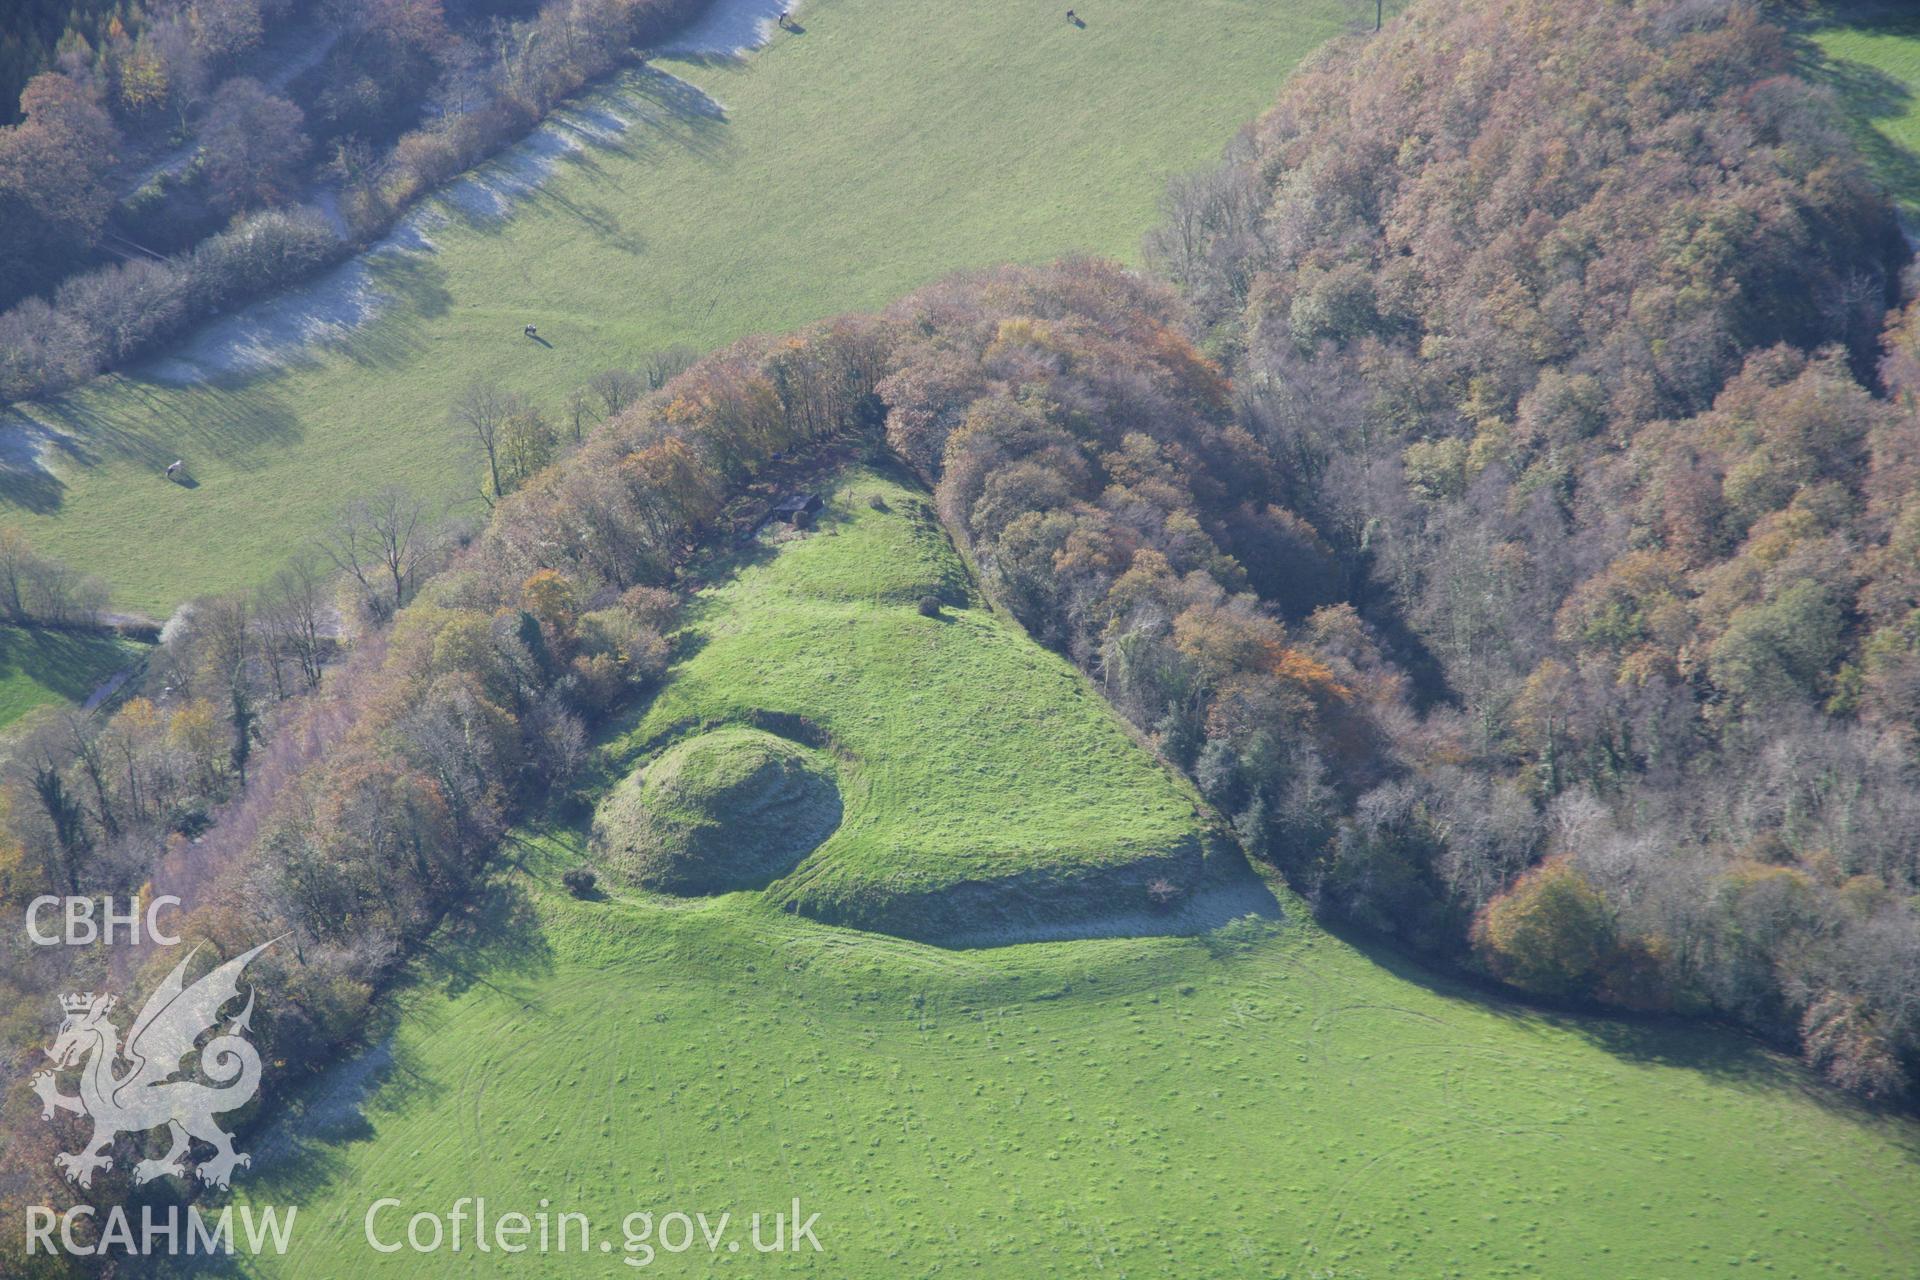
{"x":173,"y":468}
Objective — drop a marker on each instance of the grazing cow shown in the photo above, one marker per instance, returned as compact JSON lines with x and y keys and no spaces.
{"x":529,"y":331}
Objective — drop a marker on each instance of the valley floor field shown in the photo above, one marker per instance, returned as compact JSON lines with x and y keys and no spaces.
{"x":886,"y":143}
{"x":1263,"y":1099}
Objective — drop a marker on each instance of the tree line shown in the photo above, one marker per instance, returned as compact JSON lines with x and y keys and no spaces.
{"x":1576,"y":333}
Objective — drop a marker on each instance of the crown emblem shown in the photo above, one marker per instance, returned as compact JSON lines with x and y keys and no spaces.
{"x":77,"y":1004}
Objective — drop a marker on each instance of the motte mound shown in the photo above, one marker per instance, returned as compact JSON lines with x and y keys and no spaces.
{"x":726,"y":810}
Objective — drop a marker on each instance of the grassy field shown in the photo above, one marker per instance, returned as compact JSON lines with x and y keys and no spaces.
{"x":1870,"y":54}
{"x":40,"y":668}
{"x":889,"y":143}
{"x":1262,"y":1100}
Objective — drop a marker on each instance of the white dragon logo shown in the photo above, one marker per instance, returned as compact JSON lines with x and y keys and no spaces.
{"x":146,"y":1096}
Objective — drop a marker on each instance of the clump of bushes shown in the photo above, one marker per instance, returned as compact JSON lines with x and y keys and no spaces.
{"x":103,"y":318}
{"x":1552,"y":932}
{"x":546,"y":59}
{"x":929,"y":606}
{"x":579,"y":881}
{"x":144,"y":630}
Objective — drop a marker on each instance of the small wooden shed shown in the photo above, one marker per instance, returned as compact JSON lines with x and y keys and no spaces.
{"x":797,"y":509}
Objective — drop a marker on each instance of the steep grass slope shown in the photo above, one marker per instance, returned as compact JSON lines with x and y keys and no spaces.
{"x":980,"y":777}
{"x":889,"y":143}
{"x":1262,"y":1100}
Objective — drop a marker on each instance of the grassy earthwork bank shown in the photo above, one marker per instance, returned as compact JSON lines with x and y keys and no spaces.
{"x":978,"y":775}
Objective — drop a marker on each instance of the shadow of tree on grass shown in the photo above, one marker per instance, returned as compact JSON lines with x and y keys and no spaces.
{"x":1869,"y":96}
{"x":1726,"y":1055}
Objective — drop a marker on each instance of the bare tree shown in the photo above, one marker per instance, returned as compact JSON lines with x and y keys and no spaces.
{"x":44,"y":754}
{"x":559,"y":740}
{"x":397,"y":514}
{"x":16,"y":563}
{"x":579,"y":413}
{"x":291,"y":608}
{"x":221,"y":641}
{"x":1210,"y":238}
{"x":668,"y":363}
{"x":379,"y":541}
{"x":68,"y":596}
{"x":615,"y":388}
{"x":87,"y":753}
{"x":482,"y":410}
